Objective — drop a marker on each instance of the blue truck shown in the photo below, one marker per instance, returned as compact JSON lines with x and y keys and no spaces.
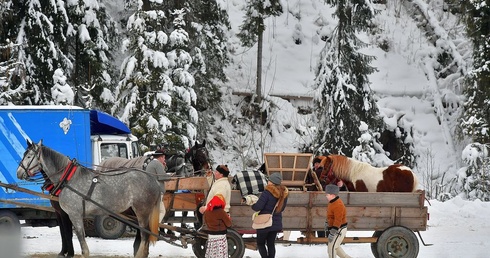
{"x":89,"y":136}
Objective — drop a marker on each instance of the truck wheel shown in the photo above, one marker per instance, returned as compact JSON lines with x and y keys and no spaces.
{"x":108,"y":227}
{"x":89,"y":226}
{"x":397,"y":241}
{"x":9,"y":221}
{"x":236,"y":246}
{"x":374,"y":246}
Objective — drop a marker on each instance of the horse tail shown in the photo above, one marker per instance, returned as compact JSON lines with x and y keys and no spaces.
{"x":154,"y":222}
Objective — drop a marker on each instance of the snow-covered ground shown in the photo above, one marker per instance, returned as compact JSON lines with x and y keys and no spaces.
{"x":456,"y":228}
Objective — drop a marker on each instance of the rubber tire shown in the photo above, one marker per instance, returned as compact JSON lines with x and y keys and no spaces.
{"x":374,"y":246}
{"x":236,"y":246}
{"x":9,"y":221}
{"x":398,"y":241}
{"x":107,"y":227}
{"x":89,"y":226}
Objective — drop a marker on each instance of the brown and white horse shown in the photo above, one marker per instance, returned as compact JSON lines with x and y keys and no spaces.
{"x":362,"y":177}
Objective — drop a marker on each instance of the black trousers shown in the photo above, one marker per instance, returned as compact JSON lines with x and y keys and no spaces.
{"x":266,"y":243}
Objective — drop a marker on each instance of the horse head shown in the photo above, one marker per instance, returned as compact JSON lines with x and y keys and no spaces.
{"x":198,"y":155}
{"x":30,"y":165}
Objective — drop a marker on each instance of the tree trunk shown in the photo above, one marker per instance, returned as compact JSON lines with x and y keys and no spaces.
{"x":258,"y":89}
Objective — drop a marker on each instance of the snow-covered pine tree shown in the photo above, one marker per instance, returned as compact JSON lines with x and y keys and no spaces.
{"x":365,"y":150}
{"x":91,"y":39}
{"x":343,"y":95}
{"x":155,"y":94}
{"x":41,"y":33}
{"x":476,"y":117}
{"x":252,"y":29}
{"x":207,"y":25}
{"x":61,"y":91}
{"x":474,"y":180}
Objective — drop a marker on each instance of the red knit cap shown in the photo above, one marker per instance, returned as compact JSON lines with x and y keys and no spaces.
{"x":218,"y":201}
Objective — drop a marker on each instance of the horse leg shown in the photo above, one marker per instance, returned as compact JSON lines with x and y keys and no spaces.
{"x":65,"y":225}
{"x":68,"y":235}
{"x":137,"y":242}
{"x":80,"y":232}
{"x":144,"y":246}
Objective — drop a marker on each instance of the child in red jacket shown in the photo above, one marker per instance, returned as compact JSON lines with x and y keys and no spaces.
{"x":217,"y":222}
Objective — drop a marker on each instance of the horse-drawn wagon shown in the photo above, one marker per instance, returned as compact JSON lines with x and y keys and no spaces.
{"x":393,"y":217}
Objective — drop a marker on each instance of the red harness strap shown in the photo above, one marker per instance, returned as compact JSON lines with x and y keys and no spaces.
{"x":324,"y":176}
{"x":65,"y":177}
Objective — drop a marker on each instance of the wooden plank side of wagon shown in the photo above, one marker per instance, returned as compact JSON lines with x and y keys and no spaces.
{"x":306,"y":211}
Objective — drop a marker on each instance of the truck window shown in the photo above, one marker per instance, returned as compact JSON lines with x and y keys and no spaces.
{"x":136,"y":149}
{"x":108,"y":150}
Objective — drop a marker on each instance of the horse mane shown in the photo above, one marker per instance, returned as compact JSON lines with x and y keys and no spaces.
{"x":59,"y":160}
{"x":340,"y":166}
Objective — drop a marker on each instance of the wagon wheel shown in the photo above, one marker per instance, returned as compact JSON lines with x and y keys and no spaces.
{"x":108,"y":227}
{"x":374,"y":246}
{"x":236,"y":246}
{"x":397,"y":241}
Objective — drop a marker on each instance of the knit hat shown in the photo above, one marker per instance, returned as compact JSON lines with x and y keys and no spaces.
{"x":218,"y":201}
{"x":332,"y":189}
{"x":276,"y":178}
{"x":223,"y":169}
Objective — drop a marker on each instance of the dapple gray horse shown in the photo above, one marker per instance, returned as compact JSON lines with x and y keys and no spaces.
{"x":83,"y":192}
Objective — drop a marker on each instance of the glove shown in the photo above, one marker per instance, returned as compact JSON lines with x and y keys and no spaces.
{"x":325,"y":227}
{"x":332,"y":234}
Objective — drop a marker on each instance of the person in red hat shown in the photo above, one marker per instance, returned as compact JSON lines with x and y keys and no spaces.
{"x":217,"y":222}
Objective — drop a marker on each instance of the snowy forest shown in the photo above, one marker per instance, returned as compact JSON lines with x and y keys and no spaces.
{"x":177,"y":72}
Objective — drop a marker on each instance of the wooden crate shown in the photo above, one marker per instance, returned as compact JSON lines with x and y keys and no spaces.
{"x":294,"y":167}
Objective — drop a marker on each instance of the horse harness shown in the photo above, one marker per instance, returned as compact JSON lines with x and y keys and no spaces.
{"x":324,"y":176}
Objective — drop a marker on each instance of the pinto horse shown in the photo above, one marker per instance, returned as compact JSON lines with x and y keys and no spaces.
{"x":83,"y":192}
{"x":362,"y":177}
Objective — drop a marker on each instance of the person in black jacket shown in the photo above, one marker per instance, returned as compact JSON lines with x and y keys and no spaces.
{"x":274,"y":193}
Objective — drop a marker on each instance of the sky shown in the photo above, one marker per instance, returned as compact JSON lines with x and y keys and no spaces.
{"x":456,"y":228}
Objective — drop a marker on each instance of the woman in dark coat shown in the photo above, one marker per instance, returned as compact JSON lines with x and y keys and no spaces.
{"x":274,"y":193}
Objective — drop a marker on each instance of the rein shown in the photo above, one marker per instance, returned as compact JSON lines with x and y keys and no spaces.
{"x":324,"y":176}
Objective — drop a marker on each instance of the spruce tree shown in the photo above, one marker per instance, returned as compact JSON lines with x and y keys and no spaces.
{"x":155,"y":95}
{"x":74,"y":38}
{"x":344,"y":98}
{"x":476,"y":116}
{"x":252,"y":30}
{"x":90,"y":44}
{"x":207,"y":25}
{"x":41,"y":31}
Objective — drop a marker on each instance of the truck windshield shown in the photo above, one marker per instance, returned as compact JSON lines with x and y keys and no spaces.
{"x":108,"y":150}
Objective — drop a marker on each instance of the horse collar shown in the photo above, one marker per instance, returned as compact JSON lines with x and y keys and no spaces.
{"x":65,"y":177}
